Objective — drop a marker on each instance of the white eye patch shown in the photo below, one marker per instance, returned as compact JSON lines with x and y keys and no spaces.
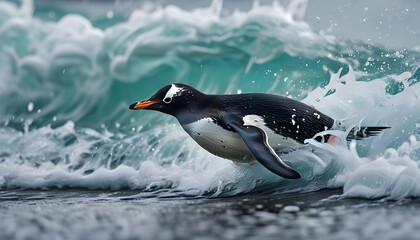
{"x":171,"y":93}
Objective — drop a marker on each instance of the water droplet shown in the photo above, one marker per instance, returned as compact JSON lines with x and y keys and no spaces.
{"x":30,"y":106}
{"x":110,"y":14}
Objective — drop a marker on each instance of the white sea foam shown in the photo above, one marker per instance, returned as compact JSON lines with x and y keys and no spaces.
{"x":386,"y":165}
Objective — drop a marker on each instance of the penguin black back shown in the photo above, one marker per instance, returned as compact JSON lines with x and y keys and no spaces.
{"x":282,"y":115}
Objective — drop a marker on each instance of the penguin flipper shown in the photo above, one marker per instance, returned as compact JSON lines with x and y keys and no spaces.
{"x":256,"y":140}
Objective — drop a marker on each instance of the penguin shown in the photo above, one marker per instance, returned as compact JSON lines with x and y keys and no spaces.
{"x":247,"y":127}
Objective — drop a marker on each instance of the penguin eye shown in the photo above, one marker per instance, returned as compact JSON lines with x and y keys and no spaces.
{"x":167,"y":100}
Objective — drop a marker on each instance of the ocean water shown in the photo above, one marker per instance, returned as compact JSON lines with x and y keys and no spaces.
{"x":75,"y":163}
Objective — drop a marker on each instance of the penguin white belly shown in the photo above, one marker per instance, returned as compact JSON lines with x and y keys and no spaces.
{"x":218,"y":141}
{"x":228,"y":144}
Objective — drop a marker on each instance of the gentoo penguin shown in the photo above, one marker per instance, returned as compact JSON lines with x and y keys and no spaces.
{"x":246,"y":127}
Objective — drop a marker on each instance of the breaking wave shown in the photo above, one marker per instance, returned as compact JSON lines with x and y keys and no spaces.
{"x":65,"y":87}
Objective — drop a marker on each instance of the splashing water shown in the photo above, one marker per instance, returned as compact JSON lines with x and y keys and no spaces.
{"x":66,"y":85}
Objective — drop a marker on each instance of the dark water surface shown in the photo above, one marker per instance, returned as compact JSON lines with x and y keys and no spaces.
{"x":81,"y":214}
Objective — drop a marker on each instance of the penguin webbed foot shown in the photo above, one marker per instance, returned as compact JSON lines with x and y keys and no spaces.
{"x":331,"y":140}
{"x":328,"y":138}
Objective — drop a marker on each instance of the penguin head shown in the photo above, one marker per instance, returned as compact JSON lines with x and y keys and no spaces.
{"x":171,"y":99}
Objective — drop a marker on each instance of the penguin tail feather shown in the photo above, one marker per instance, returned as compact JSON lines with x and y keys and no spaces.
{"x":359,"y":133}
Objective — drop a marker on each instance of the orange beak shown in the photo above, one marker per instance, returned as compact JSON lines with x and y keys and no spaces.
{"x":142,"y":105}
